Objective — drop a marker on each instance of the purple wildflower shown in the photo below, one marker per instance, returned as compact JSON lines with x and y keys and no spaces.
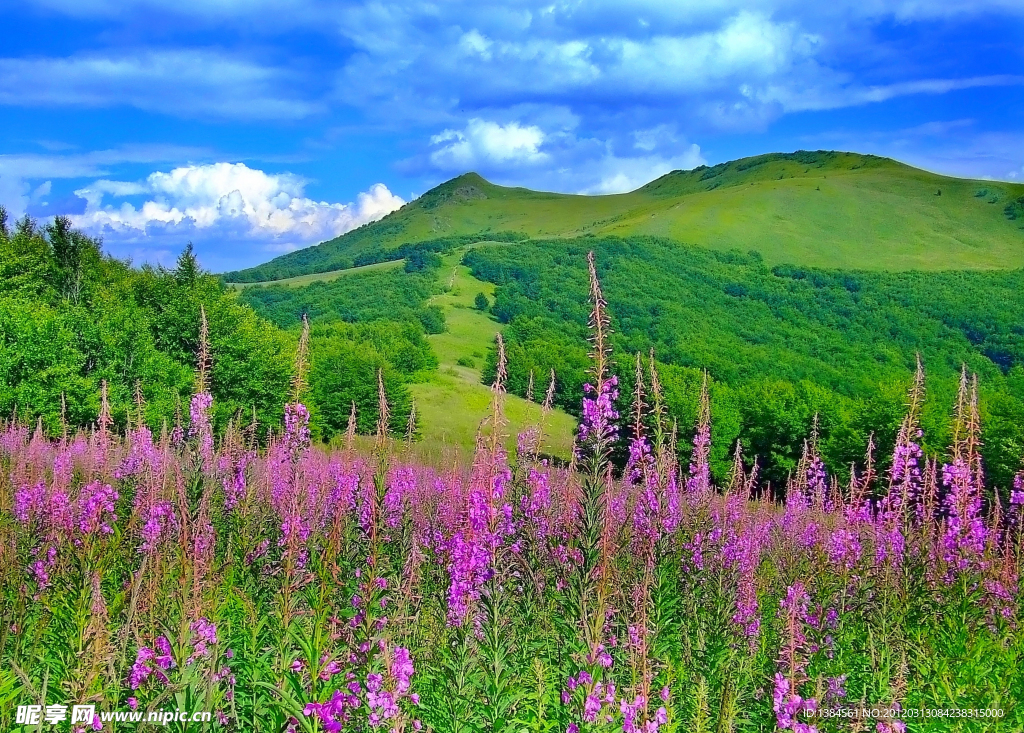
{"x":599,"y":415}
{"x":200,"y":426}
{"x":95,"y":509}
{"x":159,"y":522}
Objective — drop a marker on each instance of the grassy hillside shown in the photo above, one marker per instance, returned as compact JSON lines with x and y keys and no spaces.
{"x":804,"y":283}
{"x":453,"y":401}
{"x":450,"y":398}
{"x":819,"y":209}
{"x":299,"y":280}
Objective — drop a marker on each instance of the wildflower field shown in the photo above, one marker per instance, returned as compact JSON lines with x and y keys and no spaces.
{"x":288,"y":587}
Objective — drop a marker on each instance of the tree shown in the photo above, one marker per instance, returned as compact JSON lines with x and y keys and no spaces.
{"x":432,"y":318}
{"x":344,"y":372}
{"x":188,"y":267}
{"x":481,"y":302}
{"x":419,"y":260}
{"x":69,"y":248}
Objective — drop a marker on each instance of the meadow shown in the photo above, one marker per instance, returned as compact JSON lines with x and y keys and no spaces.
{"x":300,"y":280}
{"x":453,"y":401}
{"x":286,"y":586}
{"x":450,"y":400}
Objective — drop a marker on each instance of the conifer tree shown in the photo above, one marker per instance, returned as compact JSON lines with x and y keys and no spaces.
{"x":187,"y":270}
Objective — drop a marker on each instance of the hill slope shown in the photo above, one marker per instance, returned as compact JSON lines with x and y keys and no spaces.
{"x":819,"y":209}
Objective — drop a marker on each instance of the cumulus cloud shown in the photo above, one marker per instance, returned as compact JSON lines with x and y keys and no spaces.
{"x":483,"y":142}
{"x":181,"y":82}
{"x":224,"y":204}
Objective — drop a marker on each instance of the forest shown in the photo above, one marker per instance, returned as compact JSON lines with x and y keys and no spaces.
{"x":73,"y":319}
{"x":784,"y":346}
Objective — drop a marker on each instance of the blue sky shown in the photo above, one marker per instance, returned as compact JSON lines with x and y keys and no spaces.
{"x":253,"y":128}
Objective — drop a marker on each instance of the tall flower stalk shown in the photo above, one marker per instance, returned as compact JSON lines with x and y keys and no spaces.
{"x":964,"y":537}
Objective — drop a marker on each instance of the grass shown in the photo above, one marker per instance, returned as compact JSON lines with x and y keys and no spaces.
{"x":299,"y":280}
{"x":885,"y":218}
{"x":834,"y":210}
{"x":453,"y":403}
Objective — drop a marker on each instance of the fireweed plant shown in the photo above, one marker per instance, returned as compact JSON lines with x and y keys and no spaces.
{"x":287,"y":587}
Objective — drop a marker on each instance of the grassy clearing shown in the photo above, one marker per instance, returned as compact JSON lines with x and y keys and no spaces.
{"x":300,"y":280}
{"x":452,"y":404}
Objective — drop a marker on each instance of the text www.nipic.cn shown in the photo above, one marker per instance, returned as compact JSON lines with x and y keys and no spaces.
{"x":86,"y":714}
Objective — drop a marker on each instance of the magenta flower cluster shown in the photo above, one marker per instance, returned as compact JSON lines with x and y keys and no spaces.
{"x":151,"y":661}
{"x":371,"y":554}
{"x":599,"y":415}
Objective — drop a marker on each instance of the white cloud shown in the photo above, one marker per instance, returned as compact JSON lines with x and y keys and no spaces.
{"x":572,"y":163}
{"x":181,"y":82}
{"x":654,"y":137}
{"x":848,"y":95}
{"x":13,"y":195}
{"x":749,"y":46}
{"x":618,"y":174}
{"x":483,"y":142}
{"x":225,"y":201}
{"x":18,"y":171}
{"x":475,"y":43}
{"x":720,"y":71}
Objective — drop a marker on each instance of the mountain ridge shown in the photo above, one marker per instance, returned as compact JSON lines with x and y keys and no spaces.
{"x":862,"y":212}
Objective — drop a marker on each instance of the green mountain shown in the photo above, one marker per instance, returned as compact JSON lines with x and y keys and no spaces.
{"x":805,"y":284}
{"x":817,"y":209}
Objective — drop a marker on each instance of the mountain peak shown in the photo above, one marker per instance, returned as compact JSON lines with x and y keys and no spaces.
{"x":471,"y":178}
{"x":466,"y":187}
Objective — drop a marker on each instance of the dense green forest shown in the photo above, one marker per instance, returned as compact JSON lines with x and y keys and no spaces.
{"x":345,"y":361}
{"x":72,"y":318}
{"x":397,"y":295}
{"x":780,"y":345}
